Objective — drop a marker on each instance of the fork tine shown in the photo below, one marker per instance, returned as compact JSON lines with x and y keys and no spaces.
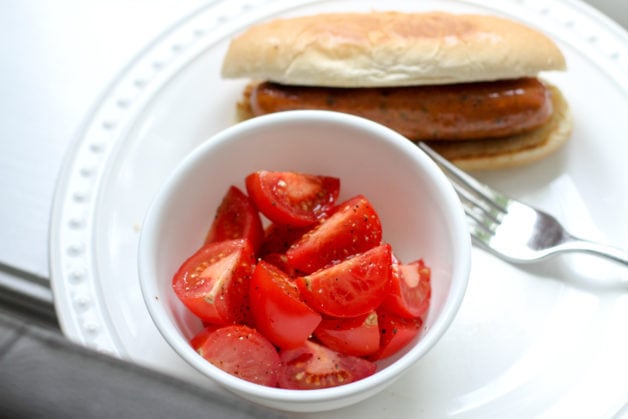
{"x":492,"y":197}
{"x":483,"y":206}
{"x":474,"y":207}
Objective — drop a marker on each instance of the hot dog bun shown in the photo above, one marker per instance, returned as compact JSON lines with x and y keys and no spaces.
{"x":381,"y":49}
{"x":390,"y":49}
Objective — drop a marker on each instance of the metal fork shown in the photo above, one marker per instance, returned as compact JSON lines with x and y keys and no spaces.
{"x":511,"y":229}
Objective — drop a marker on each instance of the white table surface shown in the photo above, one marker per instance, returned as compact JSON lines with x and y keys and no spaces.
{"x":57,"y":58}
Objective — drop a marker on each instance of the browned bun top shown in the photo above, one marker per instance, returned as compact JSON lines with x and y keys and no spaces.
{"x":390,"y":49}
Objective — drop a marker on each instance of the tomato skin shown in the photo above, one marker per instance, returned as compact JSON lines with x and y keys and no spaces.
{"x":357,"y":336}
{"x":352,"y":287}
{"x":290,"y":198}
{"x":278,"y":238}
{"x":354,"y":227}
{"x":395,"y":333}
{"x":277,"y":310}
{"x":410,"y":290}
{"x":241,"y":351}
{"x":214,"y":282}
{"x":313,"y":366}
{"x":236,"y":218}
{"x":198,"y":339}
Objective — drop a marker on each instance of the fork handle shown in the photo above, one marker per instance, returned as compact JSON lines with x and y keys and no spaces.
{"x":609,"y":252}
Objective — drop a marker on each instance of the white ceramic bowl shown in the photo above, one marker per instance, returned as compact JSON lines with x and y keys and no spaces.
{"x":421,"y":217}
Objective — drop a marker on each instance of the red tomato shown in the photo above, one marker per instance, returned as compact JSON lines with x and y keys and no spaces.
{"x":352,"y":287}
{"x":200,"y":337}
{"x":277,"y":310}
{"x":214,"y":282}
{"x":236,"y":218}
{"x":278,"y":238}
{"x":313,"y":366}
{"x":243,"y":352}
{"x":357,"y":336}
{"x":394,"y":333}
{"x":353,"y":228}
{"x":278,"y":260}
{"x":410,"y":290}
{"x":290,"y":198}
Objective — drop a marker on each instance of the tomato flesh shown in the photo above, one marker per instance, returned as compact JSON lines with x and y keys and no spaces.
{"x":278,"y":312}
{"x":278,"y":238}
{"x":290,"y":198}
{"x":313,"y":366}
{"x":241,"y":351}
{"x":395,"y":333}
{"x":357,"y":336}
{"x":410,"y":290}
{"x":353,"y":228}
{"x":201,"y":336}
{"x":236,"y":218}
{"x":214,"y":282}
{"x":352,"y":287}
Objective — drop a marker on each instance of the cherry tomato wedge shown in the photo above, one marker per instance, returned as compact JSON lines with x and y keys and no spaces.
{"x":352,"y":287}
{"x":277,"y":310}
{"x":278,"y":238}
{"x":200,"y":337}
{"x":394,"y":333}
{"x":290,"y":198}
{"x":410,"y":290}
{"x":214,"y":282}
{"x":353,"y":228}
{"x":314,"y":366}
{"x":236,"y":218}
{"x":357,"y":336}
{"x":241,"y":351}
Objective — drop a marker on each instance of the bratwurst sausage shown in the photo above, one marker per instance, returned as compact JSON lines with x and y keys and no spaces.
{"x":463,"y":111}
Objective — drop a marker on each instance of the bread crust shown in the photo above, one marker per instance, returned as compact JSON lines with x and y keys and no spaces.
{"x":390,"y":49}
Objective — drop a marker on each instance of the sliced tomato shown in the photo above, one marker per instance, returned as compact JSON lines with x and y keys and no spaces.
{"x":291,"y":198}
{"x":278,"y":312}
{"x":241,"y":351}
{"x":214,"y":282}
{"x":200,"y":337}
{"x":314,"y":366}
{"x":410,"y":290}
{"x":395,"y":333}
{"x":279,"y":237}
{"x":236,"y":218}
{"x":353,"y":228}
{"x":352,"y":287}
{"x":278,"y":260}
{"x":356,"y":336}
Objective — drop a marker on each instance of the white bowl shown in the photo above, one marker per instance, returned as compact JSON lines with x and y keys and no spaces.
{"x":420,"y":213}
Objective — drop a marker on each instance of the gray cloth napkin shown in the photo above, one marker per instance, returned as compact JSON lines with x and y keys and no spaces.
{"x":43,"y":375}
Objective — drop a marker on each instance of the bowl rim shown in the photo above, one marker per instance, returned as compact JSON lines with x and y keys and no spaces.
{"x":458,"y":229}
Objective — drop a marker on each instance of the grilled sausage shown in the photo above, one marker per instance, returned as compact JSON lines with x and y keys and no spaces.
{"x":440,"y":112}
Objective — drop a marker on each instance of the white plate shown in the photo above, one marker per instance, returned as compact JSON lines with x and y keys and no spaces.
{"x":548,"y":340}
